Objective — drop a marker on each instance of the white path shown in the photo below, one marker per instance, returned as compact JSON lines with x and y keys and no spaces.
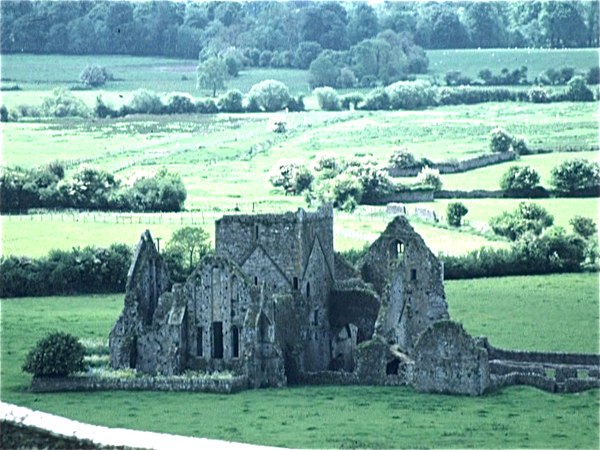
{"x":62,"y":426}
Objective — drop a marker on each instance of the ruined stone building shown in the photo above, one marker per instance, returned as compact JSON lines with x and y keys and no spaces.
{"x":277,"y":305}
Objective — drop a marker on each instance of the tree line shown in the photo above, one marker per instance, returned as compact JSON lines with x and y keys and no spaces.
{"x":273,"y":31}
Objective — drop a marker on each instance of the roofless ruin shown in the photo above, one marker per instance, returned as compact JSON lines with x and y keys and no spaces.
{"x":276,"y":305}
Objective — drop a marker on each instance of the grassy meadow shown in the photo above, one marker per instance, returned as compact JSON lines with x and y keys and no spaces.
{"x":544,"y":314}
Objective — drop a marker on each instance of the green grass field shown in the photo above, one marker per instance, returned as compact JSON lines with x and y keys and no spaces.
{"x":470,"y":62}
{"x":517,"y":312}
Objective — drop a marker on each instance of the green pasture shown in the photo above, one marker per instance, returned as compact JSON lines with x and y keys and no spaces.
{"x":484,"y":209}
{"x":471,"y":61}
{"x":551,"y":313}
{"x":489,"y":177}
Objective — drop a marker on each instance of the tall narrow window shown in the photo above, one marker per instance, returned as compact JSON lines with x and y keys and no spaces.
{"x":255,"y":281}
{"x":295,"y":282}
{"x":235,"y":342}
{"x":308,"y":290}
{"x":316,"y":318}
{"x":217,"y":348}
{"x":256,"y":232}
{"x":199,"y":342}
{"x":413,"y":274}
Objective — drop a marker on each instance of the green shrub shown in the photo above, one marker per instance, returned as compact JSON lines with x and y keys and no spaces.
{"x":455,"y":211}
{"x":231,"y":101}
{"x":328,"y":98}
{"x":206,"y":106}
{"x":63,"y":103}
{"x":377,"y":100}
{"x":353,"y":99}
{"x":180,"y":104}
{"x":575,"y":174}
{"x":410,"y":95}
{"x":500,"y":140}
{"x":577,"y":90}
{"x":538,"y":95}
{"x":430,"y":177}
{"x":270,"y":95}
{"x":94,"y":75}
{"x":3,"y":113}
{"x":142,"y":101}
{"x":583,"y":226}
{"x":519,"y":178}
{"x":347,"y":191}
{"x":402,"y":159}
{"x":528,"y":217}
{"x":57,"y":355}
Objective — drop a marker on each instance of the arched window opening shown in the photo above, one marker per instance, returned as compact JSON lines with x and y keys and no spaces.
{"x":397,"y":250}
{"x":235,"y":342}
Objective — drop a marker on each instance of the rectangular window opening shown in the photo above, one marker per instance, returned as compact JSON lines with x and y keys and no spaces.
{"x":217,"y":349}
{"x":413,"y":274}
{"x":295,"y":282}
{"x":199,"y":342}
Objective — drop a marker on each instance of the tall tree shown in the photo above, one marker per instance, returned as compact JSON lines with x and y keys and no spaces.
{"x":212,"y":74}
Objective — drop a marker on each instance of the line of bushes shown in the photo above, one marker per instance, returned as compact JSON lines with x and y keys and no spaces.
{"x":91,"y":270}
{"x":416,"y":95}
{"x":267,"y":96}
{"x":90,"y":188}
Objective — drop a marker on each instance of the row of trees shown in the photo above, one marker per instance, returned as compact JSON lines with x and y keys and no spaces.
{"x":518,"y":76}
{"x":90,"y":188}
{"x":185,"y":29}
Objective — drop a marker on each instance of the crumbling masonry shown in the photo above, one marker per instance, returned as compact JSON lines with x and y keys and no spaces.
{"x":277,"y":305}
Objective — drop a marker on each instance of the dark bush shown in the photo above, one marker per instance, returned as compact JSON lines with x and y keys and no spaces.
{"x":296,"y":104}
{"x":583,"y":226}
{"x":94,"y":75}
{"x":528,"y":217}
{"x":353,"y":99}
{"x":377,"y":100}
{"x":455,"y":212}
{"x":519,"y":178}
{"x":180,"y":104}
{"x":593,"y":75}
{"x":575,"y":174}
{"x":91,"y":270}
{"x":577,"y":90}
{"x":57,"y":355}
{"x":231,"y":101}
{"x":328,"y":98}
{"x":3,"y":113}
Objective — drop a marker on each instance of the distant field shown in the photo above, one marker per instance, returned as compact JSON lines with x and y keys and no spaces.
{"x":470,"y":62}
{"x":489,"y":177}
{"x":542,"y":313}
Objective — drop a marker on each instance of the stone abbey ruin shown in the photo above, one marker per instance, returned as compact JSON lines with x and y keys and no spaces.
{"x":276,"y":305}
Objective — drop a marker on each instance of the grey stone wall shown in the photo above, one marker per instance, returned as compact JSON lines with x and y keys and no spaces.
{"x":407,"y":196}
{"x":226,"y":386}
{"x":147,"y":280}
{"x":460,"y":166}
{"x":409,"y":279}
{"x":447,"y":360}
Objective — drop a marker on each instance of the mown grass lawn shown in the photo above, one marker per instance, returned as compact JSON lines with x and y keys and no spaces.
{"x":553,"y":313}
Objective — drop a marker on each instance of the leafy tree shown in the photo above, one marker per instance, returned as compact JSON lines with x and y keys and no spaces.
{"x":188,"y":244}
{"x":142,"y":101}
{"x":180,"y":104}
{"x":484,"y":22}
{"x":285,"y":172}
{"x":306,"y":53}
{"x":562,"y":24}
{"x":57,"y":355}
{"x":528,"y":217}
{"x":583,"y":226}
{"x":323,"y":72}
{"x":447,"y":31}
{"x":519,"y":178}
{"x":346,"y":78}
{"x":455,"y":211}
{"x":325,"y":23}
{"x":363,"y":22}
{"x":211,"y":74}
{"x":270,"y":95}
{"x":347,"y":192}
{"x":575,"y":174}
{"x":3,"y":113}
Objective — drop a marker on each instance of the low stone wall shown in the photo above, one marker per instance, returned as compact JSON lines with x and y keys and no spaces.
{"x":228,"y":386}
{"x":460,"y":166}
{"x":504,"y":368}
{"x":408,"y":196}
{"x":570,"y":385}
